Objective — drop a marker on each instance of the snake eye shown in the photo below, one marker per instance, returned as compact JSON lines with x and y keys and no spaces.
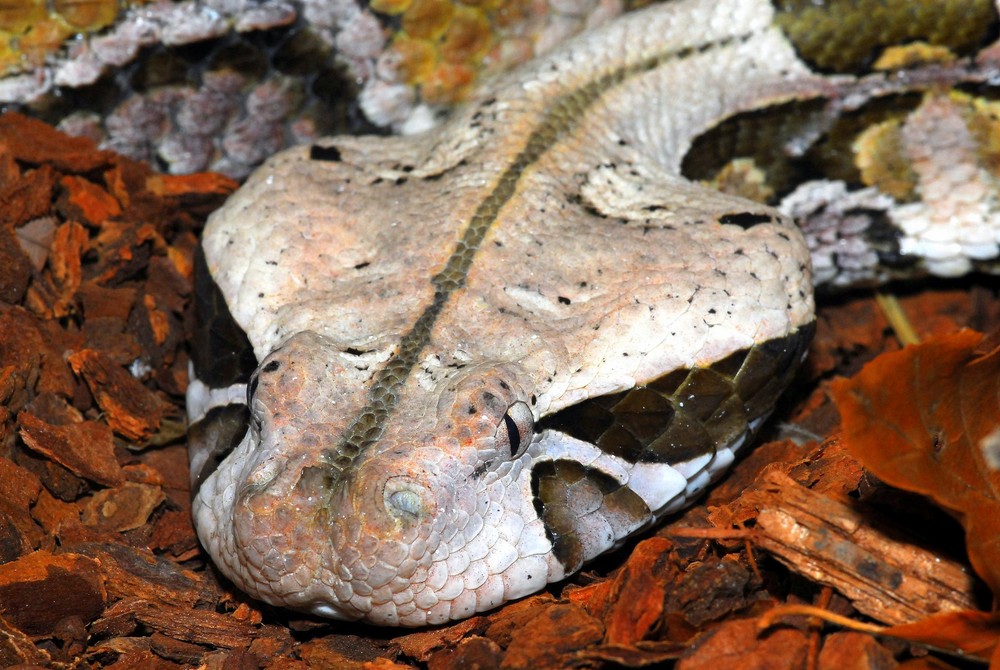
{"x":515,"y":430}
{"x":405,"y":499}
{"x":405,"y":502}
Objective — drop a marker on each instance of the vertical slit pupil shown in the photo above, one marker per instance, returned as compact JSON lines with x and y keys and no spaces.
{"x":513,"y":435}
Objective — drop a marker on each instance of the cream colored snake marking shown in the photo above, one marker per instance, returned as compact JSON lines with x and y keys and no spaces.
{"x":476,"y":358}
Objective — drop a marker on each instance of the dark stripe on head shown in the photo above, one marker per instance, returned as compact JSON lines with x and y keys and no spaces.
{"x":566,"y":492}
{"x":220,"y":351}
{"x":559,"y":119}
{"x":687,"y":413}
{"x":213,"y":437}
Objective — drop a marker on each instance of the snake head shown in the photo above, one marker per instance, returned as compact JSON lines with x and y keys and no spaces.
{"x":426,"y":523}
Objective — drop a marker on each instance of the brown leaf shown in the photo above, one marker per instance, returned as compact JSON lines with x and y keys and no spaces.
{"x":925,"y":419}
{"x":853,"y":651}
{"x":18,"y":649}
{"x":131,"y":409}
{"x":639,"y":591}
{"x":422,"y":644}
{"x":85,"y":448}
{"x":19,"y":489}
{"x":349,"y":652}
{"x":737,"y":644}
{"x":28,"y":196}
{"x":970,"y":633}
{"x":473,"y":652}
{"x":35,"y":239}
{"x":174,"y":533}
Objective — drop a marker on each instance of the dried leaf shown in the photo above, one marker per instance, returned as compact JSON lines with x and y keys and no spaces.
{"x":28,"y":196}
{"x":925,"y":419}
{"x":69,"y":243}
{"x":189,"y":185}
{"x":970,"y":633}
{"x":739,"y":640}
{"x":639,"y":591}
{"x":853,"y":651}
{"x":35,"y":238}
{"x":472,"y":652}
{"x":18,"y":649}
{"x":340,"y":651}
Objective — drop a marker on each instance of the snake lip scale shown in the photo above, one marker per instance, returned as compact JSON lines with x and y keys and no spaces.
{"x":435,"y":373}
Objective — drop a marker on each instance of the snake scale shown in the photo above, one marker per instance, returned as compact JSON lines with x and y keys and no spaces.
{"x":438,"y":372}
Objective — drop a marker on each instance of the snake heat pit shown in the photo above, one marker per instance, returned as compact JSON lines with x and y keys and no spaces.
{"x":438,"y":372}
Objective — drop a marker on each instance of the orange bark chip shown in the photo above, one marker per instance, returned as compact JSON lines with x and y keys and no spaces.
{"x":86,"y":449}
{"x":39,"y":591}
{"x":125,"y":507}
{"x":88,"y":201}
{"x":35,"y":142}
{"x":200,"y":183}
{"x":132,"y":410}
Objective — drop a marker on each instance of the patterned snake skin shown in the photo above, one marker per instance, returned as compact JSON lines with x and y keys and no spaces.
{"x":437,"y":372}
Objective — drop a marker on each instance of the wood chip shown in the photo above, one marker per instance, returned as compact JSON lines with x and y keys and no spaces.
{"x":89,"y":202}
{"x":550,"y":639}
{"x":889,"y":579}
{"x":131,"y":409}
{"x":39,"y":591}
{"x":36,"y":143}
{"x":122,"y":508}
{"x":85,"y":448}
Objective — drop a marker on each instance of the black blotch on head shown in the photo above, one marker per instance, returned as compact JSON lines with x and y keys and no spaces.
{"x":272,"y":366}
{"x":745,"y":219}
{"x":318,"y":153}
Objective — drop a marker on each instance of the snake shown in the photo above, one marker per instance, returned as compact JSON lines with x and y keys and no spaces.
{"x":436,"y":372}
